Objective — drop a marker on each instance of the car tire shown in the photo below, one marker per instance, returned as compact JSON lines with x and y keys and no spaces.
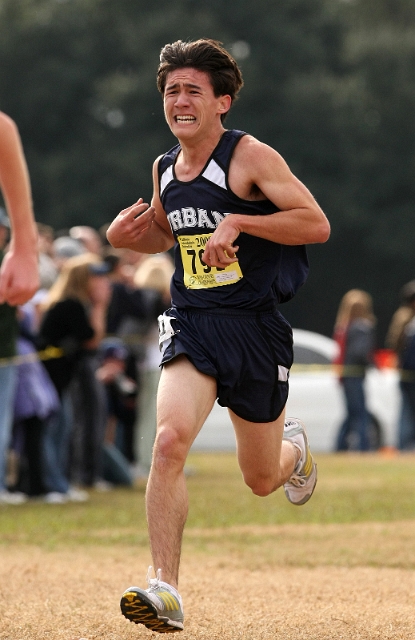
{"x":375,"y":436}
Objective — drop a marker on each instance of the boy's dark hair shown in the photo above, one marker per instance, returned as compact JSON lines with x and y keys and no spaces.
{"x":204,"y":55}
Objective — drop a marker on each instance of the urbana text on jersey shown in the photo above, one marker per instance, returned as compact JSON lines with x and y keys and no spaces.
{"x":189,"y":217}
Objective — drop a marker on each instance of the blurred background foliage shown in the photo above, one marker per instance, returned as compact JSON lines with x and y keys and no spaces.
{"x":329,"y":83}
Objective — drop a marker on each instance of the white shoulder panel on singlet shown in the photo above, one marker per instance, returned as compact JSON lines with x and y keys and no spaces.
{"x":215,"y":174}
{"x":166,"y":178}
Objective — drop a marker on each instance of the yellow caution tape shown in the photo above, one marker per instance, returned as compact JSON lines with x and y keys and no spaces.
{"x":49,"y":353}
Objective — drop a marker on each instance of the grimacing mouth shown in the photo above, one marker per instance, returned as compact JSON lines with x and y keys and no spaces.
{"x":185,"y":118}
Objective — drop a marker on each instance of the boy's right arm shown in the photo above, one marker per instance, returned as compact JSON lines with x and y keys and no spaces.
{"x":141,"y":227}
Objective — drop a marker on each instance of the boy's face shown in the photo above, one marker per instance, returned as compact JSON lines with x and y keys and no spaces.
{"x":190,"y":106}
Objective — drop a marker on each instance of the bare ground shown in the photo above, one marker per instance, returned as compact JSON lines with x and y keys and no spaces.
{"x":73,"y":594}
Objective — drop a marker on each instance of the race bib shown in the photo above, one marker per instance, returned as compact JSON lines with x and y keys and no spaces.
{"x":197,"y":274}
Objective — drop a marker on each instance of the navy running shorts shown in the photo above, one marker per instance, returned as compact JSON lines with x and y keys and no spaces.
{"x":249,"y":353}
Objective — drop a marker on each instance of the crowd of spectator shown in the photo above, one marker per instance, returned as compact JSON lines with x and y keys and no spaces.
{"x":84,"y":402}
{"x":88,"y":368}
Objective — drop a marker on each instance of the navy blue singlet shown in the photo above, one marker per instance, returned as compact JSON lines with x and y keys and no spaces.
{"x":266,"y":273}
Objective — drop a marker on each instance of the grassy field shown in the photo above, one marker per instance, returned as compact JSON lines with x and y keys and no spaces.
{"x":340,"y":567}
{"x":370,"y":490}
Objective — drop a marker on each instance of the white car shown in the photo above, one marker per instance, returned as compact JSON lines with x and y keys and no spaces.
{"x":317,"y":399}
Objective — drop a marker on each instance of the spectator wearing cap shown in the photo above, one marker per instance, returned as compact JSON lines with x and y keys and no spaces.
{"x":88,"y":237}
{"x":64,"y":248}
{"x":74,"y":321}
{"x":117,"y":372}
{"x":131,"y":313}
{"x":48,"y":271}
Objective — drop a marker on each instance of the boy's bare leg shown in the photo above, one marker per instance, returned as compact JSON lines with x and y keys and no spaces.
{"x":185,"y":399}
{"x":266,"y":460}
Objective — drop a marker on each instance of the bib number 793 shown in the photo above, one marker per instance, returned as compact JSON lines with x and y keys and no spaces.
{"x":197,"y":274}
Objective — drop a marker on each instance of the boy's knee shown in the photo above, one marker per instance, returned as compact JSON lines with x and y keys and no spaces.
{"x":169,"y":447}
{"x":262,"y":486}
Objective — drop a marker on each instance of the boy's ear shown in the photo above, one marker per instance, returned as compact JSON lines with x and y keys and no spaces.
{"x":225,"y":104}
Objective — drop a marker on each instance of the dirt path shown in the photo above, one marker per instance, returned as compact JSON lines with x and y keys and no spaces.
{"x":74,"y":594}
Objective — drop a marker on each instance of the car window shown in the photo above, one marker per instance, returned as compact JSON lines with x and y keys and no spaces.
{"x":305,"y":355}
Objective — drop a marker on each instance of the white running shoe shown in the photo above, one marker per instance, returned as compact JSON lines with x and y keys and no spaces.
{"x":55,"y":497}
{"x":12,"y":497}
{"x":158,"y":608}
{"x":302,"y":483}
{"x":77,"y":495}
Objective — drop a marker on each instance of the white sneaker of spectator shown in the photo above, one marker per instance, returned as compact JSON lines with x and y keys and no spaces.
{"x":9,"y":497}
